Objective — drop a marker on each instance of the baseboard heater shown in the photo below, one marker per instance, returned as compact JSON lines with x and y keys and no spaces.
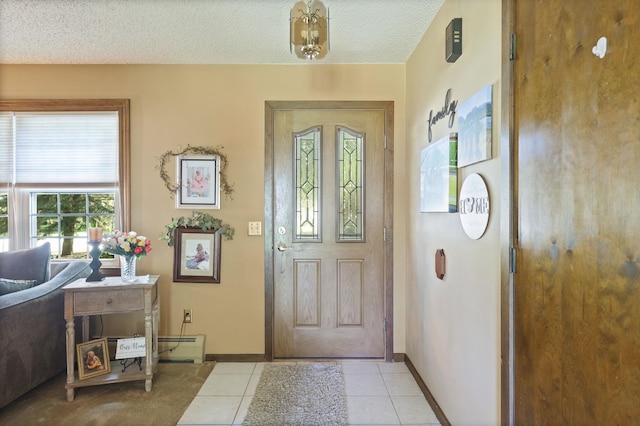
{"x":174,"y":348}
{"x":182,"y":349}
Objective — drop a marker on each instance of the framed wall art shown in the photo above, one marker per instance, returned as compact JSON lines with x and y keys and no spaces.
{"x":93,"y":358}
{"x":198,"y":181}
{"x":196,"y":255}
{"x":439,"y":176}
{"x":475,"y":128}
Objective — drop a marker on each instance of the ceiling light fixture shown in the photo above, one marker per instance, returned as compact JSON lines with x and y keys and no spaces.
{"x":309,"y":35}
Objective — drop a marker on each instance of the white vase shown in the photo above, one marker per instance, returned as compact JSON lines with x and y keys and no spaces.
{"x":128,"y":268}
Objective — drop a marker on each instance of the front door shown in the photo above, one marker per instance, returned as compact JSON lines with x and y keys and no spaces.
{"x":328,"y":233}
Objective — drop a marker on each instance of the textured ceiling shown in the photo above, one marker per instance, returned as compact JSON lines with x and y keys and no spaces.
{"x":203,"y":31}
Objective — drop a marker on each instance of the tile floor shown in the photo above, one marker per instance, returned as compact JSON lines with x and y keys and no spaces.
{"x":378,"y":393}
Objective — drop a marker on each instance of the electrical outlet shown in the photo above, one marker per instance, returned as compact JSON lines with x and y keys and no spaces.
{"x":188,"y":316}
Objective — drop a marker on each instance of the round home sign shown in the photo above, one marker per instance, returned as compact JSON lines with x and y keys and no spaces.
{"x":474,"y":206}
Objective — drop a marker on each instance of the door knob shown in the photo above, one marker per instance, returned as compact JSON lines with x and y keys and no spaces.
{"x":283,"y":247}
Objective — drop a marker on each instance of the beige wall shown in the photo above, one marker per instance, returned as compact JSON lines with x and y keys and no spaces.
{"x":453,"y":325}
{"x":173,"y":106}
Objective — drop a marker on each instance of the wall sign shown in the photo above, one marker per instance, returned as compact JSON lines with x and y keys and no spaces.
{"x":448,"y":109}
{"x":474,"y":206}
{"x":131,"y":348}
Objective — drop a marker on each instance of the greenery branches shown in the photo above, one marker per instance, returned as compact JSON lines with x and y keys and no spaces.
{"x":225,"y":186}
{"x":196,"y":220}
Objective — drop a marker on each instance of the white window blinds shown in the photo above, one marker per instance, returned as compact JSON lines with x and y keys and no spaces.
{"x":6,"y":149}
{"x":60,"y":148}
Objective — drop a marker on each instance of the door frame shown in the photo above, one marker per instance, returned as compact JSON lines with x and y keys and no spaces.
{"x":508,"y":214}
{"x":270,"y":108}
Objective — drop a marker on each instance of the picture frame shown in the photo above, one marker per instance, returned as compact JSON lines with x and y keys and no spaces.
{"x":198,"y":181}
{"x":93,"y":358}
{"x":439,"y":176}
{"x":197,"y":255}
{"x":475,"y":117}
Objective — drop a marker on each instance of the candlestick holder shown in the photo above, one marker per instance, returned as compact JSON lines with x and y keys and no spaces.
{"x":95,"y":262}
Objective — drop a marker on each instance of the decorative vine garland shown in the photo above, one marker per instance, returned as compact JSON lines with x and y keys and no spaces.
{"x":197,"y":220}
{"x":226,"y":187}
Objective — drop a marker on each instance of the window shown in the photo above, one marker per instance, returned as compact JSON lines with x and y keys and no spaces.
{"x":64,"y":167}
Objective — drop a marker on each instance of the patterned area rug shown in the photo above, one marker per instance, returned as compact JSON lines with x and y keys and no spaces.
{"x":299,"y":394}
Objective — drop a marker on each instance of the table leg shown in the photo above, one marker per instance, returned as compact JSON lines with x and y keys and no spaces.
{"x":71,"y":339}
{"x":148,"y":338}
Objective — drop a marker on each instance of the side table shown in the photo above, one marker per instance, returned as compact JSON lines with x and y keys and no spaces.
{"x":111,"y":296}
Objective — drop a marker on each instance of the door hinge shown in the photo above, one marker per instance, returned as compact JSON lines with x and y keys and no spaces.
{"x":512,"y":48}
{"x":385,"y":325}
{"x":512,"y":260}
{"x":384,"y":234}
{"x":385,"y":141}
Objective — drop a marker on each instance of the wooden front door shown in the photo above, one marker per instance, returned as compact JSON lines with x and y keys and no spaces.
{"x":577,"y":281}
{"x":328,"y":233}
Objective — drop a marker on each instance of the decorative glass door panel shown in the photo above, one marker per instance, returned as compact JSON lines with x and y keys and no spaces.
{"x":350,"y":154}
{"x":307,"y":168}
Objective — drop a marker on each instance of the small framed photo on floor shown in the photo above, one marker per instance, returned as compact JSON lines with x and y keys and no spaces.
{"x":93,"y":358}
{"x":198,"y":181}
{"x":196,"y":255}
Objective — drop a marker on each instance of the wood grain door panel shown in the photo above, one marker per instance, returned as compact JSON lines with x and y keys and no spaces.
{"x":577,"y":286}
{"x":328,"y":288}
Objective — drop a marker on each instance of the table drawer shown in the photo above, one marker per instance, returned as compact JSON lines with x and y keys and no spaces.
{"x":104,"y":302}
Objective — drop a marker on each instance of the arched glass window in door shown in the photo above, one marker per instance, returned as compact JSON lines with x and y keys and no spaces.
{"x":350,"y":154}
{"x":307,"y":166}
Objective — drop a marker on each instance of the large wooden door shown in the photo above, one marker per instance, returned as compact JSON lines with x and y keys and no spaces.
{"x":577,"y":285}
{"x":329,"y":233}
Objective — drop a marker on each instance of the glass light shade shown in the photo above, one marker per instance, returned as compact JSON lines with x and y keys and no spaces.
{"x":309,"y":36}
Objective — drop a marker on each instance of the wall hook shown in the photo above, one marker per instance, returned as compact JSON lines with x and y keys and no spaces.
{"x":600,"y":49}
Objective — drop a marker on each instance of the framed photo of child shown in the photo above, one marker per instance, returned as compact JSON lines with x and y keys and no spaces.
{"x":93,"y":358}
{"x":196,"y":255}
{"x":198,"y":181}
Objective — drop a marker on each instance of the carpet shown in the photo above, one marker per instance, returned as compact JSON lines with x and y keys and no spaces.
{"x":174,"y":387}
{"x":299,"y":394}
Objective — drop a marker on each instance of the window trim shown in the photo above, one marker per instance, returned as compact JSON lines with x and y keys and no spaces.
{"x":122,"y":107}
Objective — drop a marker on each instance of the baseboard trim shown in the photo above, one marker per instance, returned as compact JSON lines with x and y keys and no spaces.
{"x":427,"y":393}
{"x":235,"y":357}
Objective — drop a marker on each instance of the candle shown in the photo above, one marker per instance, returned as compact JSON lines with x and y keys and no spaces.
{"x":95,"y":234}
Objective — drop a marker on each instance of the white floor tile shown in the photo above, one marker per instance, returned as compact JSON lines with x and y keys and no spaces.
{"x":360,"y":368}
{"x":233,"y":367}
{"x":369,"y":410}
{"x":242,"y":410}
{"x":414,"y":410}
{"x":393,"y":367}
{"x":225,"y":384}
{"x":211,"y":410}
{"x":378,"y":393}
{"x":401,"y":384}
{"x":253,"y":384}
{"x":364,"y":384}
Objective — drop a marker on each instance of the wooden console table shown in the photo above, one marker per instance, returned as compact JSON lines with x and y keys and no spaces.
{"x":111,"y":296}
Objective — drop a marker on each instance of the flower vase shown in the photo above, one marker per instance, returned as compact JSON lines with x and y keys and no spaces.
{"x":128,"y":268}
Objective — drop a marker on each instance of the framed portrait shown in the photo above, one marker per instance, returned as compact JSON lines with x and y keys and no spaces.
{"x":93,"y":358}
{"x":196,"y":255}
{"x":198,"y":181}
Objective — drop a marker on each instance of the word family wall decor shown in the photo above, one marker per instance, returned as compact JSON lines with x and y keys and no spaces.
{"x":448,"y":109}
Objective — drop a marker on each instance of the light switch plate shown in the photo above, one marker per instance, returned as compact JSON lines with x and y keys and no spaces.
{"x":255,"y":228}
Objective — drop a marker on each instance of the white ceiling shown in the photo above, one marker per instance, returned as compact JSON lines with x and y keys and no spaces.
{"x":203,"y":31}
